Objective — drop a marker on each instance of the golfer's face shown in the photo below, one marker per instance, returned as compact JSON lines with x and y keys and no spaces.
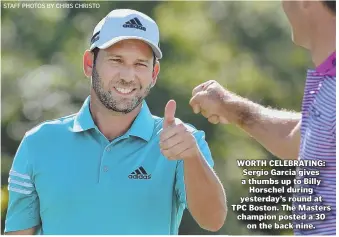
{"x":126,"y":74}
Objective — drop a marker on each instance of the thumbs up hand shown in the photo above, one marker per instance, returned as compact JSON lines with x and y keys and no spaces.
{"x":176,"y":141}
{"x":169,"y":118}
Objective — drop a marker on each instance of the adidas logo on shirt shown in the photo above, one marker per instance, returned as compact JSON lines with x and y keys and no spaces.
{"x":134,"y":23}
{"x":139,"y":173}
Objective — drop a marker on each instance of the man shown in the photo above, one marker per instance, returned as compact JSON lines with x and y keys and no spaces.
{"x":114,"y":168}
{"x":310,"y":135}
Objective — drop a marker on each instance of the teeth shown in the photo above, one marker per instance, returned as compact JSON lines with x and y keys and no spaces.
{"x":123,"y":90}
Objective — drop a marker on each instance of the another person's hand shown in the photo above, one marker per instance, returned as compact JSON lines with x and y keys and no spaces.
{"x":176,"y":141}
{"x":214,"y":102}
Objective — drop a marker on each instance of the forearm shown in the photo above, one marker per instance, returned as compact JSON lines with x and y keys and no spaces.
{"x":206,"y":198}
{"x":31,"y":231}
{"x":271,"y":128}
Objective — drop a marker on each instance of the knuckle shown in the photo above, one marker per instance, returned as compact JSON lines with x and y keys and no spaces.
{"x":204,"y":113}
{"x":189,"y":137}
{"x":181,"y":127}
{"x":162,"y":136}
{"x":171,"y":153}
{"x":165,"y":153}
{"x":196,"y":99}
{"x":163,"y":144}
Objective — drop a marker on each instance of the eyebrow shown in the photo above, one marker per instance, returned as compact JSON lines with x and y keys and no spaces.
{"x":113,"y":55}
{"x":119,"y":56}
{"x":143,"y":60}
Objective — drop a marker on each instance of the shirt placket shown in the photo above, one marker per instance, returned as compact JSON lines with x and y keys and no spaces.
{"x":109,"y":156}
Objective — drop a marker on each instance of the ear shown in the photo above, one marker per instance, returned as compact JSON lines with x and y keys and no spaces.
{"x":155,"y":72}
{"x":88,"y":63}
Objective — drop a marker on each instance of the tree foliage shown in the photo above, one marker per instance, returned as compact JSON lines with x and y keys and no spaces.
{"x":245,"y":46}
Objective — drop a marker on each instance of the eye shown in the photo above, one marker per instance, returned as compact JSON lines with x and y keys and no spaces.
{"x":141,"y":64}
{"x":117,"y":60}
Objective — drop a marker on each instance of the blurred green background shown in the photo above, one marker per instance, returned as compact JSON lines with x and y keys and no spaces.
{"x":245,"y":46}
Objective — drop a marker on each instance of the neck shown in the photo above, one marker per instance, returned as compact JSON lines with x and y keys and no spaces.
{"x":323,"y":43}
{"x":111,"y":124}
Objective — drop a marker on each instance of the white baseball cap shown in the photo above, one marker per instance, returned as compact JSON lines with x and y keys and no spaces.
{"x":122,"y":24}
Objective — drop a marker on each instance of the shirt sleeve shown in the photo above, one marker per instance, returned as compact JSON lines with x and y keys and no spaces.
{"x":180,"y":182}
{"x":23,"y":204}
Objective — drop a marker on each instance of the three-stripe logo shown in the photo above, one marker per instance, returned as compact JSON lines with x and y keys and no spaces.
{"x":139,"y":173}
{"x":134,"y":23}
{"x":20,"y":183}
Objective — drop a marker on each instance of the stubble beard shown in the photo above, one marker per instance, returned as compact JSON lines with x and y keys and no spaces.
{"x":115,"y":104}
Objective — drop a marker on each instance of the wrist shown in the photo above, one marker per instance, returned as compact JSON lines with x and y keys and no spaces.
{"x":238,"y":110}
{"x":194,"y":157}
{"x":230,"y":108}
{"x":247,"y":113}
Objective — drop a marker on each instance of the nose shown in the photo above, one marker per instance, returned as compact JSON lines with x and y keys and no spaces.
{"x":127,"y":73}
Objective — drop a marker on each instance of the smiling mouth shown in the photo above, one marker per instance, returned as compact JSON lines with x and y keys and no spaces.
{"x":124,"y":91}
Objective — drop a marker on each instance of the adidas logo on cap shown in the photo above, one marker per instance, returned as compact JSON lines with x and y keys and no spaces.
{"x":134,"y":23}
{"x":139,"y":173}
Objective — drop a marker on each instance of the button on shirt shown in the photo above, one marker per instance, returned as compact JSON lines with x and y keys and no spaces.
{"x":318,"y":142}
{"x":69,"y":179}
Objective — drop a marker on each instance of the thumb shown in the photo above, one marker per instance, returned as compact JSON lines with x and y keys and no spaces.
{"x":169,"y":113}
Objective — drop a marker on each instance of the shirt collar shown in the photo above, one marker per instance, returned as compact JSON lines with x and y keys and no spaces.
{"x":142,"y":126}
{"x":83,"y":120}
{"x":328,"y":66}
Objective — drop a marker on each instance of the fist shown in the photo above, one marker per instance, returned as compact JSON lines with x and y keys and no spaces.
{"x":176,"y":141}
{"x":209,"y":99}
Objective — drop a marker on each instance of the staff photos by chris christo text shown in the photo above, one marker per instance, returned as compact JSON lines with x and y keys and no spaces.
{"x":49,"y":5}
{"x":273,"y":185}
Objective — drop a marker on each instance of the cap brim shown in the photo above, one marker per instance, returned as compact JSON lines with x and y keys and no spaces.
{"x":109,"y":43}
